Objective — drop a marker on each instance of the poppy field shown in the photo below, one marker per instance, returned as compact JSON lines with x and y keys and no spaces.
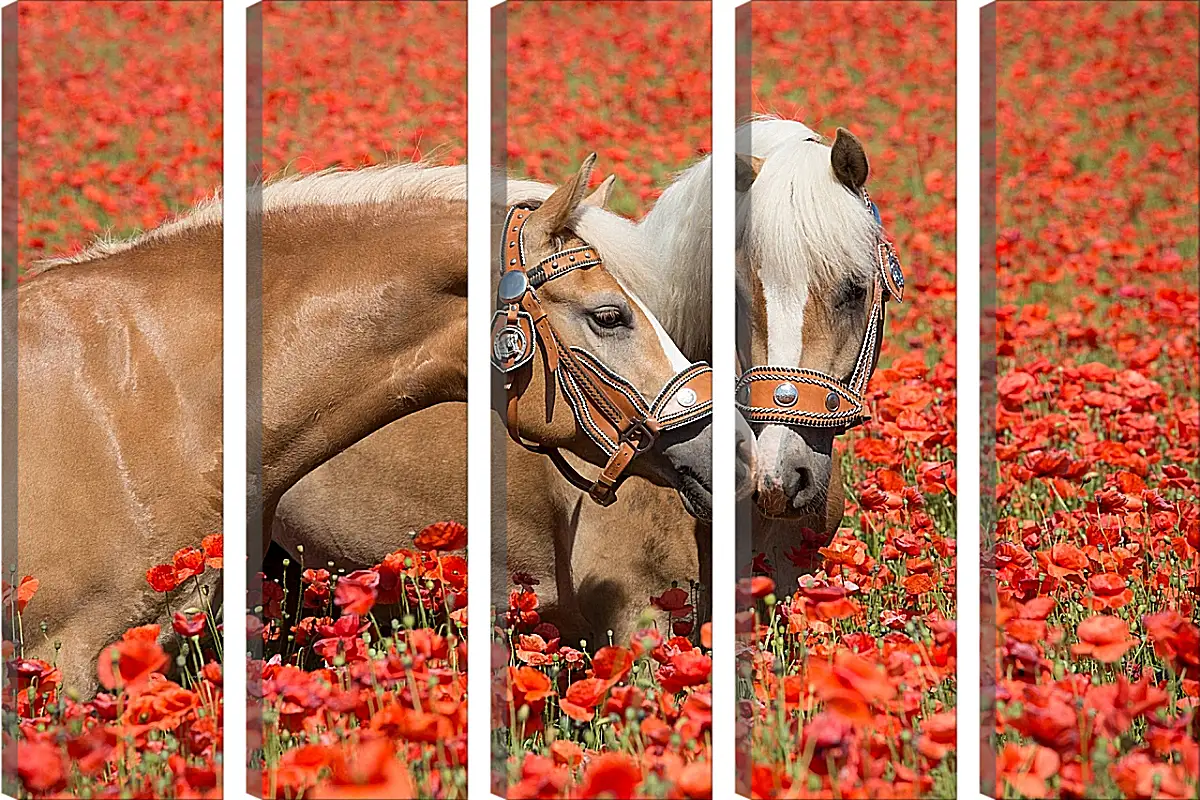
{"x":1097,"y":655}
{"x":119,"y":120}
{"x":847,"y":684}
{"x":118,"y":130}
{"x":363,"y":678}
{"x":153,"y":729}
{"x":847,"y":681}
{"x":363,"y":682}
{"x":632,"y":83}
{"x":353,"y":84}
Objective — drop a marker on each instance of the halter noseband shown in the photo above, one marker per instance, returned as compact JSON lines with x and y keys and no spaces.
{"x":806,"y":398}
{"x":612,"y":412}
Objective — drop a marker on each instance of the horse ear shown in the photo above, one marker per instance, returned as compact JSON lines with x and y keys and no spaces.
{"x":747,"y":170}
{"x":552,"y":215}
{"x":601,"y":194}
{"x":849,"y":160}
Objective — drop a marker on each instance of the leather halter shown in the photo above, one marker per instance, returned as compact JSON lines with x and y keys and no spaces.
{"x":807,"y":398}
{"x":612,"y":412}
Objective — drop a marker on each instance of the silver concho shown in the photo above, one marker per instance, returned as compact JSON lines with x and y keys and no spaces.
{"x":686,"y":397}
{"x":786,"y":395}
{"x":513,"y":285}
{"x":894,"y":268}
{"x":832,"y":401}
{"x":509,"y":344}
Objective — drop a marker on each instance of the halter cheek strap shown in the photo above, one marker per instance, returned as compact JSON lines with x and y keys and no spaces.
{"x":810,"y":399}
{"x":606,"y":406}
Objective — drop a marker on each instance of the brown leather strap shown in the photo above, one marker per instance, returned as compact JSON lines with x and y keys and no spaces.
{"x":603,"y":491}
{"x":791,"y":396}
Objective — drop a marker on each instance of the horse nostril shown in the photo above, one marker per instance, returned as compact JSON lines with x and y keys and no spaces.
{"x":805,"y":479}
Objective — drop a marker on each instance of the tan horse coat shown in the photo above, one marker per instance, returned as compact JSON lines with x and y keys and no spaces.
{"x":119,"y":437}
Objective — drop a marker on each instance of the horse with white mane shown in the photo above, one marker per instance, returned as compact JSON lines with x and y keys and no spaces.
{"x":805,"y":247}
{"x":364,"y":315}
{"x":815,"y":272}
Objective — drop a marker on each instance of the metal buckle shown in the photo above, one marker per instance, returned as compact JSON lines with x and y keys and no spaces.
{"x":645,"y":437}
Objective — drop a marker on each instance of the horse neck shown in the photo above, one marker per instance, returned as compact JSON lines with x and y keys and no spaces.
{"x":679,"y":228}
{"x":363,"y":323}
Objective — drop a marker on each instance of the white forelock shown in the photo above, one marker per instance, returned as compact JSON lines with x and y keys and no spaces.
{"x":799,"y":227}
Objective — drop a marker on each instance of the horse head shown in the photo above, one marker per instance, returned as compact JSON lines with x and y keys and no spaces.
{"x":585,"y":366}
{"x":814,"y":272}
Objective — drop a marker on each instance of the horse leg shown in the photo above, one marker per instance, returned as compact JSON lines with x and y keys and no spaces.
{"x":74,"y":648}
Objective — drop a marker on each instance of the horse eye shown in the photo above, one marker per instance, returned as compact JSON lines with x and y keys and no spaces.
{"x":608,"y":317}
{"x":852,"y":295}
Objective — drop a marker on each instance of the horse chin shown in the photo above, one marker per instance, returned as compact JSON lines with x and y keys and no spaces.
{"x":695,"y":496}
{"x":777,"y":505}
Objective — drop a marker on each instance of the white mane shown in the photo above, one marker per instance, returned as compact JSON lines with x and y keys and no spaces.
{"x":679,"y":231}
{"x":803,"y":227}
{"x":206,"y":212}
{"x":366,"y":186}
{"x":374,"y":185}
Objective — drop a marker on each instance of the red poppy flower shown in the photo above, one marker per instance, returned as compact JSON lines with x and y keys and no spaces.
{"x":644,"y":641}
{"x":1026,"y":768}
{"x":1063,"y":560}
{"x":674,"y":601}
{"x":849,"y":685}
{"x":566,"y":753}
{"x":611,"y":775}
{"x":918,"y":584}
{"x":189,"y":626}
{"x":1104,"y":638}
{"x":355,"y":593}
{"x":529,"y":684}
{"x":612,"y":664}
{"x":189,"y":563}
{"x":128,"y":664}
{"x":442,"y":536}
{"x":213,"y":546}
{"x":581,"y":698}
{"x":27,"y":587}
{"x":41,"y":767}
{"x":368,"y":770}
{"x":685,"y":668}
{"x":1110,"y":591}
{"x":1176,"y":640}
{"x":162,"y":578}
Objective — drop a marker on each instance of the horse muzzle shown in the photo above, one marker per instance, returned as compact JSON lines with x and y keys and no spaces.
{"x":793,"y":473}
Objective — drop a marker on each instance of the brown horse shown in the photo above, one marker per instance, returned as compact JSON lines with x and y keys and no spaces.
{"x":591,"y":580}
{"x":428,"y":482}
{"x":364,"y":322}
{"x":364,"y":277}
